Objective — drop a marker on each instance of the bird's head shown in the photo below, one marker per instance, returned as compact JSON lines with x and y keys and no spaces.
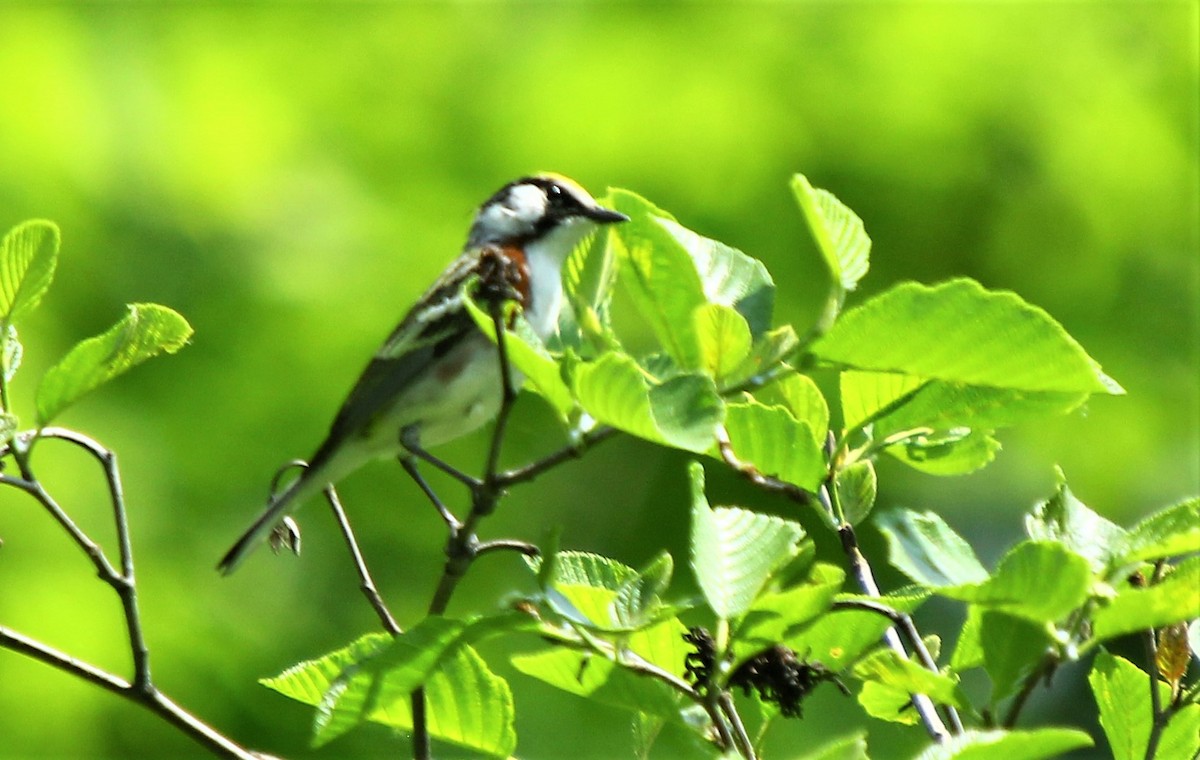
{"x":536,"y":208}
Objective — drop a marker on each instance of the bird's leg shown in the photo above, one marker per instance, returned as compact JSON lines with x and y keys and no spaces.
{"x":410,"y":466}
{"x":410,"y":442}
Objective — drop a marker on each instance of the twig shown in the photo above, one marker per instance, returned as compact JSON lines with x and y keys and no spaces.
{"x":366,"y":582}
{"x":740,"y":738}
{"x":142,"y":689}
{"x":146,"y":695}
{"x":532,"y":470}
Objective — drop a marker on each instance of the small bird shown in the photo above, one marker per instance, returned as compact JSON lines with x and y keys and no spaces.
{"x":437,"y":377}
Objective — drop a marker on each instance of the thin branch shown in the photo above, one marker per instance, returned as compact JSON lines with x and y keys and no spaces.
{"x":125,"y":584}
{"x":522,"y":547}
{"x":366,"y":582}
{"x":532,"y":470}
{"x":861,"y":570}
{"x":741,"y":739}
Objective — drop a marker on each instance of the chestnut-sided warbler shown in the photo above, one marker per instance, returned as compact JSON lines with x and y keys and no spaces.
{"x":437,"y":377}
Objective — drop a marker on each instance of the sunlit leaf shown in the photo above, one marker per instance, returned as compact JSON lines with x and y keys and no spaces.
{"x":838,"y":232}
{"x":147,"y":330}
{"x":959,"y":332}
{"x":1012,"y":647}
{"x":735,"y":551}
{"x":1121,"y":692}
{"x":1066,"y":519}
{"x":887,"y":667}
{"x":926,"y":549}
{"x":1175,"y":599}
{"x":682,"y":412}
{"x":840,"y":637}
{"x":729,"y":277}
{"x":723,"y":337}
{"x":771,"y":440}
{"x":852,"y":747}
{"x":1008,"y":745}
{"x":28,"y":256}
{"x":659,"y":274}
{"x":1038,"y":580}
{"x":856,"y":486}
{"x":773,"y":615}
{"x":11,"y":352}
{"x":952,"y":452}
{"x":769,"y":350}
{"x":799,"y":395}
{"x":600,"y":680}
{"x":1171,"y":532}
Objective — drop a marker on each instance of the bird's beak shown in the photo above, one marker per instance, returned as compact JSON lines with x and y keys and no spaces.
{"x":601,"y":215}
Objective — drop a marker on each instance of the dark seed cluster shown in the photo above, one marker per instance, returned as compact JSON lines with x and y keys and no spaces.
{"x":776,"y":674}
{"x":698,"y":665}
{"x":779,"y":676}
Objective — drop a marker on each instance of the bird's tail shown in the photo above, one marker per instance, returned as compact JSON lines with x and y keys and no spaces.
{"x":282,"y":503}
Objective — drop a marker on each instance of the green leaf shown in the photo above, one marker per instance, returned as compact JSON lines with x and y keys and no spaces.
{"x":588,"y":277}
{"x":856,"y":486}
{"x":888,"y":703}
{"x":952,"y":452}
{"x":147,"y":330}
{"x":1175,"y":599}
{"x":681,"y":412}
{"x":372,"y":680}
{"x":1126,"y":713}
{"x":724,"y":339}
{"x":735,"y":551}
{"x":942,"y":406}
{"x":968,"y":649}
{"x":768,"y":352}
{"x":600,"y":680}
{"x":1012,"y":648}
{"x":1066,"y":519}
{"x":28,"y":256}
{"x":888,"y":668}
{"x":469,"y":705}
{"x":729,"y":277}
{"x":799,"y":395}
{"x":926,"y":549}
{"x":659,"y":275}
{"x":775,"y":443}
{"x":640,"y":597}
{"x":1171,"y":532}
{"x":837,"y":231}
{"x":1181,"y":737}
{"x":1038,"y":580}
{"x":1008,"y":745}
{"x":575,"y":568}
{"x":838,"y":638}
{"x":868,"y":395}
{"x":377,"y":685}
{"x":527,"y":354}
{"x":774,"y":614}
{"x":1121,"y":692}
{"x":853,"y":747}
{"x":959,"y":332}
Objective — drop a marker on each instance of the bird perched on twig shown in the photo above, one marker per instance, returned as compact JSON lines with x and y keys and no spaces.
{"x":437,"y":377}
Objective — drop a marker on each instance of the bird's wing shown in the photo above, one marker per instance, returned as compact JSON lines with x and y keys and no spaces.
{"x":434,"y":326}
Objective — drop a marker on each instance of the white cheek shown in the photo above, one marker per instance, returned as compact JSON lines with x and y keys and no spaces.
{"x":526,"y":204}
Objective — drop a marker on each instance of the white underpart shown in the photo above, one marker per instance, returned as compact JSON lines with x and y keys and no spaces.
{"x":546,"y":257}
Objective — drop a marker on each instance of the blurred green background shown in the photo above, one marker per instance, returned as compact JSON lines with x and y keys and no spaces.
{"x":291,"y":176}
